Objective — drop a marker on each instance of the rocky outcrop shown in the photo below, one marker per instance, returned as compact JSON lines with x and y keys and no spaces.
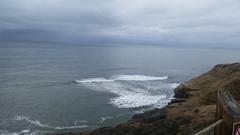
{"x":193,"y":108}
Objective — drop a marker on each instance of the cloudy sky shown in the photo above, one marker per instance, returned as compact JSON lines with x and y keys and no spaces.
{"x":207,"y":23}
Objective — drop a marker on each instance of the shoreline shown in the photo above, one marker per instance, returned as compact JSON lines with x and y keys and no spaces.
{"x":192,"y":109}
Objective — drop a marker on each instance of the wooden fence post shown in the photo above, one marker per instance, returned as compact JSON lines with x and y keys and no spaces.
{"x":228,"y":110}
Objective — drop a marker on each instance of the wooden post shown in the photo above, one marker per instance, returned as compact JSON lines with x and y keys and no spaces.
{"x":228,"y":110}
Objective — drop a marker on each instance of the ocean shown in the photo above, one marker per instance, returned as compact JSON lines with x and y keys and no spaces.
{"x":57,"y":88}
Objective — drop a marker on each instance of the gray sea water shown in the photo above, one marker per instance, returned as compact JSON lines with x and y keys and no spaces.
{"x":46,"y":88}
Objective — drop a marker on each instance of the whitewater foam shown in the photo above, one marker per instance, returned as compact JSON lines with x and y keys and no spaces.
{"x":34,"y":122}
{"x":76,"y":122}
{"x":133,"y":90}
{"x":39,"y":124}
{"x":138,"y":78}
{"x":174,"y":85}
{"x":122,"y":78}
{"x":103,"y":119}
{"x":72,"y":127}
{"x":2,"y":132}
{"x":93,"y":80}
{"x":23,"y":132}
{"x":137,"y":100}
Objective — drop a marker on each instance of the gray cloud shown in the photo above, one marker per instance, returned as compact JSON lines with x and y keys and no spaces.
{"x":157,"y":22}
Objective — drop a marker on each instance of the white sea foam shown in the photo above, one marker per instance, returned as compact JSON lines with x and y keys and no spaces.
{"x":174,"y":85}
{"x":93,"y":80}
{"x":76,"y":122}
{"x":138,"y":78}
{"x":122,"y":78}
{"x":103,"y":119}
{"x":2,"y":132}
{"x":72,"y":127}
{"x":34,"y":122}
{"x":137,"y":100}
{"x":23,"y":132}
{"x":39,"y":124}
{"x":133,"y":90}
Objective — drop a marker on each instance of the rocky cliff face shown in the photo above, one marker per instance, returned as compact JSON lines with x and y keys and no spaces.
{"x":226,"y":76}
{"x":193,"y":108}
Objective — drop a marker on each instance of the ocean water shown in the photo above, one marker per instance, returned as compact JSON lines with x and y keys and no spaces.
{"x":48,"y":88}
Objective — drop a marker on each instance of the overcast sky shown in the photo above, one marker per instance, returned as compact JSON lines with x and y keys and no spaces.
{"x":207,"y":23}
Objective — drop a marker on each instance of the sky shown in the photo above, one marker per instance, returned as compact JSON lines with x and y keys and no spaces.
{"x":195,"y":23}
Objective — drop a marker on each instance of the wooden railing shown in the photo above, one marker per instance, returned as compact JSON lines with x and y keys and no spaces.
{"x":210,"y":129}
{"x":227,"y":113}
{"x":228,"y":110}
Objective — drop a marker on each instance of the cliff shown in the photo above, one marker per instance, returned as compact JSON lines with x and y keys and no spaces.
{"x":193,"y":108}
{"x":225,"y":76}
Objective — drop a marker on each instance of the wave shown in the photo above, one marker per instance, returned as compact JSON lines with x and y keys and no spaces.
{"x":93,"y":80}
{"x":139,"y":78}
{"x":137,"y":100}
{"x":39,"y":124}
{"x":133,"y":90}
{"x":103,"y":119}
{"x":72,"y":127}
{"x":24,"y":132}
{"x":34,"y":122}
{"x":76,"y":122}
{"x":122,"y":78}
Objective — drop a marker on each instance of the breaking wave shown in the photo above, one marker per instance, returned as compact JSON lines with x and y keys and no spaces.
{"x":34,"y":122}
{"x":122,"y":78}
{"x":93,"y":80}
{"x":72,"y":127}
{"x":23,"y":132}
{"x":133,"y":90}
{"x":139,"y":78}
{"x":103,"y":119}
{"x":37,"y":123}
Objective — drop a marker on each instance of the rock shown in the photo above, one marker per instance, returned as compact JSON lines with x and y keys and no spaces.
{"x":177,"y":100}
{"x":180,"y":92}
{"x":183,"y":91}
{"x":151,"y":116}
{"x":196,"y":110}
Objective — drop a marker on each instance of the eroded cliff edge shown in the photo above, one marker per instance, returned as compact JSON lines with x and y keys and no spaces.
{"x":193,"y":108}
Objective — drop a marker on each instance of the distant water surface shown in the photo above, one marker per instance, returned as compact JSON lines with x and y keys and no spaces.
{"x":47,"y":88}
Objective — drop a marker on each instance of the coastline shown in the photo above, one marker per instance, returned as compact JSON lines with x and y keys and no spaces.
{"x":192,"y":109}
